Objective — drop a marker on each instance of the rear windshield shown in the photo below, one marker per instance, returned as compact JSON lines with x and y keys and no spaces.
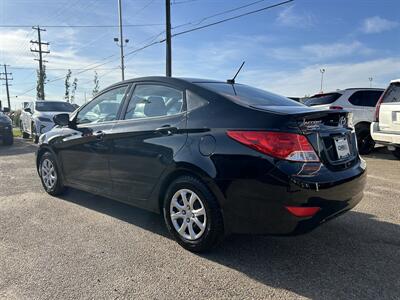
{"x":248,"y":95}
{"x":54,"y":106}
{"x":392,"y":94}
{"x":322,"y":99}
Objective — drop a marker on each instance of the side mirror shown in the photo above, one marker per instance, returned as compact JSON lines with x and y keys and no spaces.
{"x":6,"y":109}
{"x":61,"y":119}
{"x":28,"y":110}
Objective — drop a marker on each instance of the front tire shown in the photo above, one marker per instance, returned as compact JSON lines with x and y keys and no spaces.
{"x":396,"y":152}
{"x":8,"y":140}
{"x":50,"y":175}
{"x":364,"y":140}
{"x":34,"y":136}
{"x":192,"y":214}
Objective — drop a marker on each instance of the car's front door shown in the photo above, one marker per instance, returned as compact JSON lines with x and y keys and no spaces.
{"x":145,"y":141}
{"x":84,"y":150}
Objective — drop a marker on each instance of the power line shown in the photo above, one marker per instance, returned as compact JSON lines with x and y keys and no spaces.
{"x":230,"y":19}
{"x":199,"y":21}
{"x":81,"y":26}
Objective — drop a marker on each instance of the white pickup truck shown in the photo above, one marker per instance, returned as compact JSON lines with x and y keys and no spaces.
{"x":37,"y":117}
{"x":386,"y":128}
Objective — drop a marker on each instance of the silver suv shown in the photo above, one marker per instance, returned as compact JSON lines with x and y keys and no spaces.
{"x":37,"y":117}
{"x":360,"y":102}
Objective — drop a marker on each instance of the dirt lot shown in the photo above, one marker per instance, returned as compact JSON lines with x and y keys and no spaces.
{"x":82,"y":246}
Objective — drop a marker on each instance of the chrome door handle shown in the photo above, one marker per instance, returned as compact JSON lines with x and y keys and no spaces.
{"x":167,"y":130}
{"x":99,"y":134}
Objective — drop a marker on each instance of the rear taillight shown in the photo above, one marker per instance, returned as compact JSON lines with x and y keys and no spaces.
{"x":335,"y":107}
{"x":378,"y":107}
{"x":303,"y":211}
{"x":282,"y":145}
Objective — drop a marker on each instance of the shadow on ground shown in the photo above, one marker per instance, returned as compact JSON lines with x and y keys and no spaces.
{"x":20,"y":146}
{"x":338,"y":260}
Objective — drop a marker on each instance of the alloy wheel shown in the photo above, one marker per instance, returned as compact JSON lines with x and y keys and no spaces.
{"x":48,"y":173}
{"x":188,"y":214}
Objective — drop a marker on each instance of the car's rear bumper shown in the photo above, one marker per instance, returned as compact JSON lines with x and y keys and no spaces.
{"x":381,"y":137}
{"x":258,"y":206}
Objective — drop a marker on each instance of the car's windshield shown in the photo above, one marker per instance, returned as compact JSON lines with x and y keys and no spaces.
{"x":54,"y":106}
{"x":248,"y":95}
{"x":322,"y":99}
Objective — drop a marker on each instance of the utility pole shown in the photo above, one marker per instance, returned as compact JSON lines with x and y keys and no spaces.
{"x":322,"y":78}
{"x":121,"y":40}
{"x":6,"y":78}
{"x":168,"y":67}
{"x":370,"y":81}
{"x":40,"y":60}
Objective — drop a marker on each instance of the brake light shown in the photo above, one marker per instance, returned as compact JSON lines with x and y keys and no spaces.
{"x":378,"y":107}
{"x":335,"y":107}
{"x":282,"y":145}
{"x":303,"y":211}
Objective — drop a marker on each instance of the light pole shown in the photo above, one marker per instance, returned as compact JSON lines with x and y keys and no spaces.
{"x":370,"y":81}
{"x":322,"y":78}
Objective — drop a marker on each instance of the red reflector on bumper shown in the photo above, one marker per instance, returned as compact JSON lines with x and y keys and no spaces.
{"x":302,"y":211}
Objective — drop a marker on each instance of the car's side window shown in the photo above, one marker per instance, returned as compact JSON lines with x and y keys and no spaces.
{"x":365,"y":98}
{"x":102,"y":108}
{"x":151,"y":100}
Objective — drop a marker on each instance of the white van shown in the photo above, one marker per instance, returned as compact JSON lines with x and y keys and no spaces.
{"x":386,"y":128}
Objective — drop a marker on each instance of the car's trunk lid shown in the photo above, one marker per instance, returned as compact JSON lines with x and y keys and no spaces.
{"x":326,"y":129}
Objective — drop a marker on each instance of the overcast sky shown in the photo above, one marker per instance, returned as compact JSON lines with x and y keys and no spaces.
{"x":284,"y":48}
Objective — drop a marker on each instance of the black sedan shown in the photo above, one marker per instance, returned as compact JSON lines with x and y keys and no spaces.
{"x":213,"y":157}
{"x":6,"y":134}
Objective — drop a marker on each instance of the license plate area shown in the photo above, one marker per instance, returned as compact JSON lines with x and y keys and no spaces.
{"x":342,"y":147}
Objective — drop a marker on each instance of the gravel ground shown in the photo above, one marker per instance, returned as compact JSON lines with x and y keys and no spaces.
{"x":84,"y":246}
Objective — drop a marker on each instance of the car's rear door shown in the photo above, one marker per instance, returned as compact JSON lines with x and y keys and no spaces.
{"x":389,"y":111}
{"x":145,"y":141}
{"x":84,"y":151}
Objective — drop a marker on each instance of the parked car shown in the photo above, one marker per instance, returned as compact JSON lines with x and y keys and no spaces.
{"x":386,"y":128}
{"x":361,"y":103}
{"x":6,"y":133}
{"x":37,"y":117}
{"x":213,"y":157}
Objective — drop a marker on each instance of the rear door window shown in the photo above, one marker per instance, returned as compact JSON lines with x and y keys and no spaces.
{"x":248,"y":95}
{"x":322,"y":99}
{"x":152,"y":100}
{"x":392,"y":94}
{"x":365,"y":98}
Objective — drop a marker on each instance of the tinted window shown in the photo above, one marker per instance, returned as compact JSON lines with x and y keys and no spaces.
{"x":365,"y":98}
{"x":102,"y":108}
{"x":54,"y":106}
{"x":248,"y":95}
{"x":149,"y":100}
{"x":392,"y":94}
{"x":322,"y":99}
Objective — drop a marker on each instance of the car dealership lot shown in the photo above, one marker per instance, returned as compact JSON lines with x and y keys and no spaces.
{"x":84,"y":246}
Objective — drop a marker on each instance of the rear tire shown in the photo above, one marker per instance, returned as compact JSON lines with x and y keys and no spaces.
{"x":364,"y":139}
{"x":396,"y":152}
{"x":196,"y":222}
{"x":50,"y":175}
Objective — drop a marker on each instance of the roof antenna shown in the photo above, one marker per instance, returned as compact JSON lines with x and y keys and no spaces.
{"x":232,"y":81}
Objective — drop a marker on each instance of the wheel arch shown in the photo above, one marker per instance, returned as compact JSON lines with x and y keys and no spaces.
{"x":363,"y":124}
{"x":186,"y":169}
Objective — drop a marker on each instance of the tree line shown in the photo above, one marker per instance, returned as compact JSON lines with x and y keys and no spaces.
{"x":70,"y":87}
